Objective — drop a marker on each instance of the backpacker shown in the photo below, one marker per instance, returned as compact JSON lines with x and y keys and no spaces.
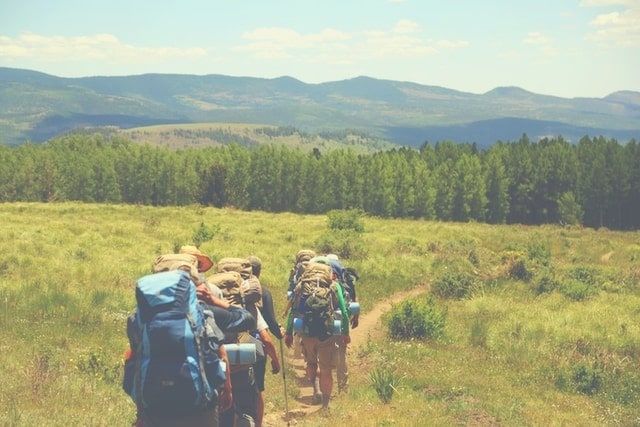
{"x":315,"y":302}
{"x":177,"y":370}
{"x":302,"y":259}
{"x":230,"y":283}
{"x":316,"y":274}
{"x":241,"y":265}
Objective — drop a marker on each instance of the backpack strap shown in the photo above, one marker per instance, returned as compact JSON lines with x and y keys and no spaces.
{"x":203,"y":376}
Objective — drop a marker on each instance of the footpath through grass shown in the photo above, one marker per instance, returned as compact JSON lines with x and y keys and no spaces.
{"x":545,"y":330}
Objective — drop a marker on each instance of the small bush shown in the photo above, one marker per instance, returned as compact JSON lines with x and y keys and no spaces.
{"x":586,"y":379}
{"x":346,"y":220}
{"x":546,"y":283}
{"x":204,"y":233}
{"x":454,"y":285}
{"x":521,"y":270}
{"x":576,"y":290}
{"x":416,"y":320}
{"x":344,"y":243}
{"x":384,"y":381}
{"x":539,"y":252}
{"x":586,"y":275}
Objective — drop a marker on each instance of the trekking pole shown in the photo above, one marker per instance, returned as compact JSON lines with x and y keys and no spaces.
{"x":284,"y":382}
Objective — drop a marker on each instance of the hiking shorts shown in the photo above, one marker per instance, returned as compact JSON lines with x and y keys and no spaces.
{"x":324,"y":353}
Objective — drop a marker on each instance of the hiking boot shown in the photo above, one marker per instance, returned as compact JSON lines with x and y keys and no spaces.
{"x":317,"y":395}
{"x":325,"y":402}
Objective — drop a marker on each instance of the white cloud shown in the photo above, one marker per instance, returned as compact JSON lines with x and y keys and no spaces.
{"x":97,"y":47}
{"x":536,"y":38}
{"x":333,"y":46}
{"x":541,"y":43}
{"x":600,"y":3}
{"x":618,"y":28}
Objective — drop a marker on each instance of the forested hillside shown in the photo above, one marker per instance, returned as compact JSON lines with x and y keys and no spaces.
{"x":35,"y":107}
{"x":596,"y":182}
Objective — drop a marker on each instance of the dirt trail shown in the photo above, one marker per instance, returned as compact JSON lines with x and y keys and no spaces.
{"x":302,"y":406}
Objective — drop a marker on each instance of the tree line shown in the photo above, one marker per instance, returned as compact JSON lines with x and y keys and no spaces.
{"x":595,"y":182}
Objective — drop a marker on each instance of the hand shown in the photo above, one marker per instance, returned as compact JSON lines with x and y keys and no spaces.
{"x":275,"y":367}
{"x":226,"y":398}
{"x":288,"y":340}
{"x":354,"y":321}
{"x":221,"y":302}
{"x":282,"y":331}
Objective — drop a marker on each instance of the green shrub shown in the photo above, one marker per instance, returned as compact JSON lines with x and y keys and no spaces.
{"x":539,"y":252}
{"x":344,"y":243}
{"x":586,"y":379}
{"x":384,"y":381}
{"x":454,"y":285}
{"x":204,"y":233}
{"x":416,"y":320}
{"x":576,"y":290}
{"x":346,"y":220}
{"x":521,"y":270}
{"x":586,"y":275}
{"x":546,"y":283}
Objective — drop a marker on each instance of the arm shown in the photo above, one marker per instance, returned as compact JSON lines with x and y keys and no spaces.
{"x":267,"y":344}
{"x":235,"y":319}
{"x":270,"y":350}
{"x":204,"y":294}
{"x":268,"y":313}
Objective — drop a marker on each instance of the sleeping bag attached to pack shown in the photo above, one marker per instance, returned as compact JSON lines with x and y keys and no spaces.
{"x":175,"y":341}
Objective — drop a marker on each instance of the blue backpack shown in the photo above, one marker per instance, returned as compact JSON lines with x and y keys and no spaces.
{"x":176,"y":369}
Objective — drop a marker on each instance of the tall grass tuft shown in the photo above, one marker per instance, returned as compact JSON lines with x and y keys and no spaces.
{"x":384,"y":381}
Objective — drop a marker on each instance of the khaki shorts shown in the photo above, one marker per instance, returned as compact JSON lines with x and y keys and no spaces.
{"x":324,"y":353}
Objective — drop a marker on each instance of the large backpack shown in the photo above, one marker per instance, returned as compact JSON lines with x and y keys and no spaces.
{"x":315,"y":301}
{"x":177,"y":370}
{"x":241,"y":265}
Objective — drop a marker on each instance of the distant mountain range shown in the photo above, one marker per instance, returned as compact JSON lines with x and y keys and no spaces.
{"x":36,"y":106}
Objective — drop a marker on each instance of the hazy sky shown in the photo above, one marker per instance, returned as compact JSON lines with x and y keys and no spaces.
{"x":562,"y":47}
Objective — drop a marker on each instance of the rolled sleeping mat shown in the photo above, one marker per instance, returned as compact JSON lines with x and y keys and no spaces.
{"x":337,"y":327}
{"x":298,"y":324}
{"x":354,"y":308}
{"x":241,"y":354}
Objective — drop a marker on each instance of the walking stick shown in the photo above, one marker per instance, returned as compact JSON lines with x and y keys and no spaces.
{"x":284,"y":382}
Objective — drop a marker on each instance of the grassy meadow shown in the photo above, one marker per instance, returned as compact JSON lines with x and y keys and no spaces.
{"x":192,"y":135}
{"x":541,"y":322}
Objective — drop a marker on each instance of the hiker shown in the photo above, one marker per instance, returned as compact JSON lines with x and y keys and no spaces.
{"x":167,"y":317}
{"x":316,"y":299}
{"x":347,"y":281}
{"x":268,"y":314}
{"x":302,"y":258}
{"x":241,"y":287}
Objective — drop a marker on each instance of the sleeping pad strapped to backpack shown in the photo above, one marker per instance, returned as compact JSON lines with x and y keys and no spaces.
{"x":177,"y":370}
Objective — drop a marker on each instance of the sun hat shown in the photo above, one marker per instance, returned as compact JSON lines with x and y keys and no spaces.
{"x":204,"y":261}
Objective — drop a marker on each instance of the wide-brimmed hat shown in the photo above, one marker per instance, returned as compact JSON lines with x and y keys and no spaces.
{"x":204,"y":261}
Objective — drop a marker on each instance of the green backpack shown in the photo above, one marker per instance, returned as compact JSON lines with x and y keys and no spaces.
{"x":318,"y":312}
